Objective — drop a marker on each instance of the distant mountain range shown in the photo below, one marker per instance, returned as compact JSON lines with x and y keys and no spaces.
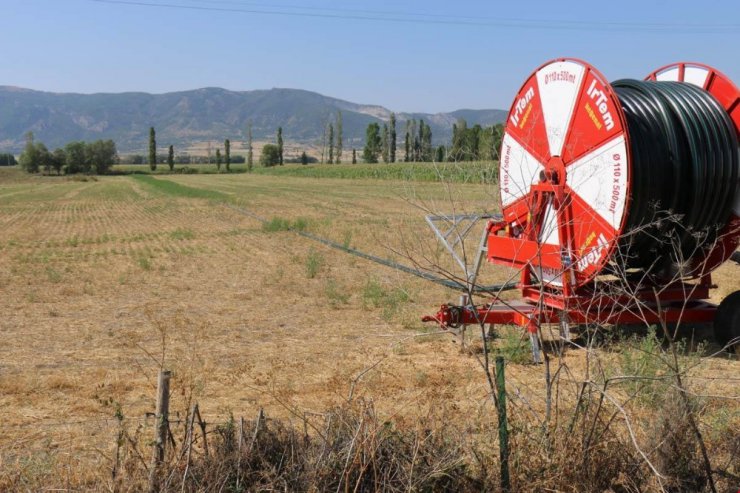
{"x":188,"y":117}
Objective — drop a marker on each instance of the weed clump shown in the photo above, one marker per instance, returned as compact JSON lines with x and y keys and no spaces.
{"x":336,"y":295}
{"x":281,"y":224}
{"x":182,"y":234}
{"x":375,"y":295}
{"x":513,"y":345}
{"x":314,"y":263}
{"x":144,"y":262}
{"x":276,"y":224}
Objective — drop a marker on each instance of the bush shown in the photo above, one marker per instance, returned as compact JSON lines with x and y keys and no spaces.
{"x":185,"y":170}
{"x":7,"y":159}
{"x":134,"y":159}
{"x":270,"y":155}
{"x":678,"y":454}
{"x":302,"y":159}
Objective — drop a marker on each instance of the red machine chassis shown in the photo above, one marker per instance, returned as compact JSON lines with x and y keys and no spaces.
{"x":609,"y":301}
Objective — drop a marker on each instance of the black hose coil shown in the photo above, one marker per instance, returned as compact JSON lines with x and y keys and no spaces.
{"x":684,"y":150}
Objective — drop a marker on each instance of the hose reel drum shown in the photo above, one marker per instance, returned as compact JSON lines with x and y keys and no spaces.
{"x":644,"y":174}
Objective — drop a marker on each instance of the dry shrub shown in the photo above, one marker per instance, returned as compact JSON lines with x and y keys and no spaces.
{"x":571,"y":458}
{"x":677,"y":452}
{"x":351,"y":449}
{"x":366,"y":454}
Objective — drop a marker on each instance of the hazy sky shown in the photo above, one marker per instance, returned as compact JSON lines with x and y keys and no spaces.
{"x":407,"y":55}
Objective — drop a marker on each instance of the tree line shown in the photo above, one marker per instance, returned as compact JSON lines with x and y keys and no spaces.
{"x":170,"y":159}
{"x":99,"y":156}
{"x":476,"y":143}
{"x":76,"y":157}
{"x":182,"y":159}
{"x":381,"y":144}
{"x":272,"y":154}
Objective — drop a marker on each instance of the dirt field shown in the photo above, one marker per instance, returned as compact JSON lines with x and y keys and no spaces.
{"x":104,"y":280}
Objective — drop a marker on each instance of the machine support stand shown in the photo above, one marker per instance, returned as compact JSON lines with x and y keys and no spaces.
{"x":535,"y":341}
{"x":491,"y":332}
{"x":536,"y":352}
{"x":564,"y":327}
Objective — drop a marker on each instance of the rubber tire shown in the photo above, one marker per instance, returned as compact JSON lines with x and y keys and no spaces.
{"x":727,"y":319}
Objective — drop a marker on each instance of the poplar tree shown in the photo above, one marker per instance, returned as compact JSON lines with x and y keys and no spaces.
{"x":339,"y":138}
{"x":58,"y":158}
{"x":372,"y":143}
{"x":250,"y":154}
{"x":474,"y":142}
{"x":459,"y":149}
{"x":417,"y":140}
{"x":452,"y":154}
{"x":29,"y":158}
{"x":386,"y":147}
{"x":280,"y":145}
{"x":218,"y":159}
{"x":227,"y":154}
{"x":497,"y":134}
{"x":413,"y":141}
{"x":171,"y":158}
{"x":152,"y":149}
{"x":425,"y":137}
{"x":354,"y":156}
{"x":440,"y":154}
{"x":406,"y":143}
{"x":323,"y":142}
{"x":393,"y":138}
{"x":331,"y":143}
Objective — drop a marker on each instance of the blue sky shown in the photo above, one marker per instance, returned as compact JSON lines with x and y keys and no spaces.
{"x":438,"y":55}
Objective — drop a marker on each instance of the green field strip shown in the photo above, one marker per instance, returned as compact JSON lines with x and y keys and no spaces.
{"x":176,"y":189}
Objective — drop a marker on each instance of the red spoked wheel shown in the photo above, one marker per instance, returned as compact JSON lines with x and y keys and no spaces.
{"x":564,"y":173}
{"x":724,"y":90}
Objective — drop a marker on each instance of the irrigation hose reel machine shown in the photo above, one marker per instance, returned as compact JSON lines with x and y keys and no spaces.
{"x":617,"y":201}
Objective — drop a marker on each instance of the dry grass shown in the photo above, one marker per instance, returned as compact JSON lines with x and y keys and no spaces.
{"x":103,"y":280}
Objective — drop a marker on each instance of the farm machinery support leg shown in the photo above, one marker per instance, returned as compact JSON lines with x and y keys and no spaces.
{"x":534,"y":339}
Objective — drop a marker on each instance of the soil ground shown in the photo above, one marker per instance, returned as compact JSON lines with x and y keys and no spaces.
{"x":104,"y":281}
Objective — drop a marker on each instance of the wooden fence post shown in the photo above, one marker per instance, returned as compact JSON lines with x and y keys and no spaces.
{"x":202,"y":425}
{"x":161,"y":427}
{"x":503,"y":430}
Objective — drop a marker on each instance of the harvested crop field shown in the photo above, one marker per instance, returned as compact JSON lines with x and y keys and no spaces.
{"x":104,"y":281}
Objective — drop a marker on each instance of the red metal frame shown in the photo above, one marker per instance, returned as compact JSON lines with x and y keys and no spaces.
{"x":611,"y":302}
{"x":531,"y":316}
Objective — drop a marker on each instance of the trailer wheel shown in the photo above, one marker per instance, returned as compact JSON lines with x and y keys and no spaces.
{"x":727,"y":320}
